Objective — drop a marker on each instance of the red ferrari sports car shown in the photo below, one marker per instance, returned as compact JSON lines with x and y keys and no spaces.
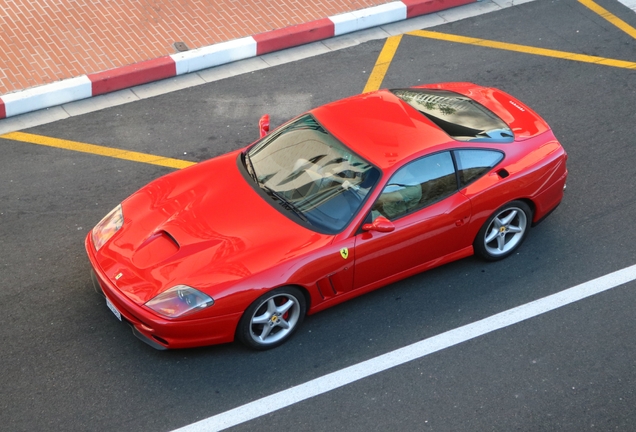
{"x":339,"y":201}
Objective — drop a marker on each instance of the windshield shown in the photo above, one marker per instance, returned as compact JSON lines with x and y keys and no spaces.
{"x":312,"y":175}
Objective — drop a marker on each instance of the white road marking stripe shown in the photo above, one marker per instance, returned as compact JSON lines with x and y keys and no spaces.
{"x":629,"y":3}
{"x":417,"y":350}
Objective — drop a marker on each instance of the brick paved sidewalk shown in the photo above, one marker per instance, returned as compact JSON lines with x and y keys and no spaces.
{"x":44,"y":41}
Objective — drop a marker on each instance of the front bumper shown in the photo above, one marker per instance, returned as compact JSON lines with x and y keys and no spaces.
{"x":158,"y":332}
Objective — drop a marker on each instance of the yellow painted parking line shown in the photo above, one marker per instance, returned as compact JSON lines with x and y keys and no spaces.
{"x":382,"y":64}
{"x":524,"y":49}
{"x":609,"y":17}
{"x":98,"y":150}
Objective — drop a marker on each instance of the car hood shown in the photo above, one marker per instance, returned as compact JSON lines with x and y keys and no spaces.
{"x":205,"y":227}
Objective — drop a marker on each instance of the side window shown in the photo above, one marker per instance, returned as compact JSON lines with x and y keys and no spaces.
{"x":416,"y":185}
{"x":472,"y":164}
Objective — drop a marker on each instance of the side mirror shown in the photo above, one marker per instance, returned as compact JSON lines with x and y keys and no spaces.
{"x":263,"y":125}
{"x":380,"y":224}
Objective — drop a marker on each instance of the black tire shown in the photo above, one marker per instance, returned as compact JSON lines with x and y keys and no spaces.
{"x":272,"y":319}
{"x":504,"y":231}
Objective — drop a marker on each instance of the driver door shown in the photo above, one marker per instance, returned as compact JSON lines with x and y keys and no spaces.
{"x":428,"y":225}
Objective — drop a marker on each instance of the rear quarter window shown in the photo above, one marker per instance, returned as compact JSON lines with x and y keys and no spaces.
{"x":474,"y":163}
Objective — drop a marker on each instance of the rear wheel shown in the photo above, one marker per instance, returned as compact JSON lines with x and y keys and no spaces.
{"x":504,"y":231}
{"x":272,"y":318}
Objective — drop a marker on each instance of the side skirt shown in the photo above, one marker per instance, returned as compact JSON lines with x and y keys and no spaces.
{"x":462,"y":253}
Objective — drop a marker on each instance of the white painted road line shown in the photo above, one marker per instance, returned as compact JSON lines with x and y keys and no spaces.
{"x":629,"y":3}
{"x":417,"y":350}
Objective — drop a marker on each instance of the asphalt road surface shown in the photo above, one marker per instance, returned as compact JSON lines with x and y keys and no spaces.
{"x":68,"y":364}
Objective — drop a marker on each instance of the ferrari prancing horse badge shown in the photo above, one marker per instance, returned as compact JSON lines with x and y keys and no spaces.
{"x":344,"y":252}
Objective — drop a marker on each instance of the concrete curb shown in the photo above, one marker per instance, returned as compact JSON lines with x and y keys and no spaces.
{"x":99,"y":83}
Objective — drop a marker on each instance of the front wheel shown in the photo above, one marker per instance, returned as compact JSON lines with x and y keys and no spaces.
{"x":504,"y":231}
{"x":272,"y":318}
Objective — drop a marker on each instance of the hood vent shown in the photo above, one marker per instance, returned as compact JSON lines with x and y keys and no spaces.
{"x":157,"y":248}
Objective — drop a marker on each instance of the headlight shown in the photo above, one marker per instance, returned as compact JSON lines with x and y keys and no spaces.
{"x":179,"y":301}
{"x":107,"y":227}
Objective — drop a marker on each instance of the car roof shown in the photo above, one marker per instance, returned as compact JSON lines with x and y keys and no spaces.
{"x":381,"y":127}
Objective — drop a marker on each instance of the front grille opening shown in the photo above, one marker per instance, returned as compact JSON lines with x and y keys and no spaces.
{"x":157,"y":338}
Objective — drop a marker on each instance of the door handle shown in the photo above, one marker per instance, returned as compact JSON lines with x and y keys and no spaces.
{"x":461,"y":221}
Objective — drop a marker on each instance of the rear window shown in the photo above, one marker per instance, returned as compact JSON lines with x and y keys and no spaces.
{"x":460,"y":117}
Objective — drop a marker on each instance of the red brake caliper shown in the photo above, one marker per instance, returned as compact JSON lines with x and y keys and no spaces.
{"x":286,"y":314}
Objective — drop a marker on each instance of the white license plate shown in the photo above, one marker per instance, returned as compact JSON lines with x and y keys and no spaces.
{"x":113,"y":309}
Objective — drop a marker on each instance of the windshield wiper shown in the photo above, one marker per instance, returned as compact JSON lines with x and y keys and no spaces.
{"x":250,"y":167}
{"x":285,"y":203}
{"x":288,"y":205}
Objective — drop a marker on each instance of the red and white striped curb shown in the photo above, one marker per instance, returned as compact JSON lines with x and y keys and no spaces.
{"x":90,"y":85}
